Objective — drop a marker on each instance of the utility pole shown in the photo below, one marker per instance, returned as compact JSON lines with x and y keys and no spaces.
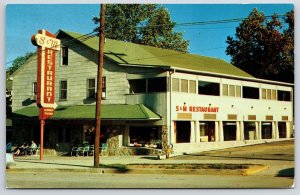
{"x":99,"y":86}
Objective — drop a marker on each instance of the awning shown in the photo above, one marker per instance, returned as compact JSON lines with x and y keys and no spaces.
{"x":108,"y":112}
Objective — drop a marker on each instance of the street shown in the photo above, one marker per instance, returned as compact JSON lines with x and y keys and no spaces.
{"x":84,"y":180}
{"x":277,"y":156}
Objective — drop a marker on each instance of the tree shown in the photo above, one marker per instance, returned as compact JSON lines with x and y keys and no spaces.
{"x":264,"y":48}
{"x":146,"y":24}
{"x":19,"y":61}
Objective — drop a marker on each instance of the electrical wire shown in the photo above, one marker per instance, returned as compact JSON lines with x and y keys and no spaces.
{"x":177,"y":25}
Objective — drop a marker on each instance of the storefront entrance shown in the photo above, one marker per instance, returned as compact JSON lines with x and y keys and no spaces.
{"x":207,"y":131}
{"x":182,"y":131}
{"x":282,"y":129}
{"x":250,"y":130}
{"x":266,"y":130}
{"x":229,"y":129}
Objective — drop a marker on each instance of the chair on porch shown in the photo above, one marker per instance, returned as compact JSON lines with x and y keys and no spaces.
{"x":85,"y":150}
{"x":103,"y":148}
{"x":76,"y":151}
{"x":91,"y":150}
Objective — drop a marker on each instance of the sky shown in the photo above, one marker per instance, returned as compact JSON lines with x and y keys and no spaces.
{"x":24,"y":20}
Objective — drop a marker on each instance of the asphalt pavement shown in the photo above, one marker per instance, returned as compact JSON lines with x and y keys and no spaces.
{"x":277,"y":157}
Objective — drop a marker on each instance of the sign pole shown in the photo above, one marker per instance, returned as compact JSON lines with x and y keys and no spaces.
{"x":42,"y":139}
{"x":47,"y":45}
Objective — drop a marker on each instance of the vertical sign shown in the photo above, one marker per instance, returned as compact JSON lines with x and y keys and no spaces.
{"x":47,"y":45}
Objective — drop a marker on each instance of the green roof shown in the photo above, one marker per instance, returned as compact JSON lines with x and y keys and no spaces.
{"x":108,"y":112}
{"x":135,"y":54}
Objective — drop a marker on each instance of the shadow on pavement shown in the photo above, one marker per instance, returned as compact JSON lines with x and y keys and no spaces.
{"x":29,"y":161}
{"x":229,"y":156}
{"x":290,"y":172}
{"x":149,"y":157}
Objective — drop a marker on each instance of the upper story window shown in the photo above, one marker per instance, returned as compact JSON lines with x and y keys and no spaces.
{"x":184,"y":86}
{"x":63,"y":88}
{"x":175,"y":84}
{"x":137,"y":85}
{"x":231,"y":90}
{"x":34,"y":91}
{"x":208,"y":88}
{"x":250,"y":92}
{"x":103,"y":88}
{"x":34,"y":88}
{"x":91,"y":88}
{"x":268,"y":94}
{"x":64,"y":56}
{"x":192,"y":86}
{"x":283,"y":95}
{"x":158,"y":84}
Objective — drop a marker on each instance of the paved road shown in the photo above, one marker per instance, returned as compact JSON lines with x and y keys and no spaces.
{"x":83,"y":180}
{"x":278,"y":156}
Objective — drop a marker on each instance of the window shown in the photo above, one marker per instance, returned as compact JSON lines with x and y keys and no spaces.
{"x":208,"y":88}
{"x":266,"y":130}
{"x":91,"y":88}
{"x":232,"y":90}
{"x":268,"y":94}
{"x":263,"y":94}
{"x":249,"y":130}
{"x":175,"y":84}
{"x":34,"y":91}
{"x":158,"y":84}
{"x":283,"y":95}
{"x":251,"y":92}
{"x":145,"y":136}
{"x":183,"y":131}
{"x":63,"y":90}
{"x":64,"y":55}
{"x":229,"y":131}
{"x":238,"y":91}
{"x":192,"y":86}
{"x":207,"y":131}
{"x":103,"y":88}
{"x":184,"y":85}
{"x":137,"y":86}
{"x":273,"y":94}
{"x":34,"y":88}
{"x":225,"y":90}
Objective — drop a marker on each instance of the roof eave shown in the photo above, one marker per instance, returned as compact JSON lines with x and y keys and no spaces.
{"x":233,"y":76}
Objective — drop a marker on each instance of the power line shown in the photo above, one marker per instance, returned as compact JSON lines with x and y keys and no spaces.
{"x":81,"y":38}
{"x":178,"y":25}
{"x":210,"y":22}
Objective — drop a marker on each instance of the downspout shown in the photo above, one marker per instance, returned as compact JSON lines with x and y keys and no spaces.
{"x":170,"y":109}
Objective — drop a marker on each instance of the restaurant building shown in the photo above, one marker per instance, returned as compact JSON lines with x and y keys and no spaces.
{"x":152,"y":99}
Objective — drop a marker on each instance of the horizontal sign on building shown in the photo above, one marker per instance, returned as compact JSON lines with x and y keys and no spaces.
{"x":197,"y":109}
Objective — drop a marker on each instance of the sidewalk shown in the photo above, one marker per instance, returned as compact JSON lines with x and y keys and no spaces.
{"x":86,"y":165}
{"x":275,"y":158}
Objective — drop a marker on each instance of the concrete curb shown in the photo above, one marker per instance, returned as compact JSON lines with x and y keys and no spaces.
{"x":247,"y":172}
{"x":255,"y":169}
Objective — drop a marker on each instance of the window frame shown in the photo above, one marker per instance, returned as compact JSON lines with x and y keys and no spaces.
{"x":64,"y":56}
{"x":60,"y":90}
{"x":210,"y":82}
{"x":90,"y":88}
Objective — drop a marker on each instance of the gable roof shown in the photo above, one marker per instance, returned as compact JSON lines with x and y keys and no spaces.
{"x":126,"y":53}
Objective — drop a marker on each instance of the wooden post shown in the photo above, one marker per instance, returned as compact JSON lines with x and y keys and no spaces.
{"x":99,"y":86}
